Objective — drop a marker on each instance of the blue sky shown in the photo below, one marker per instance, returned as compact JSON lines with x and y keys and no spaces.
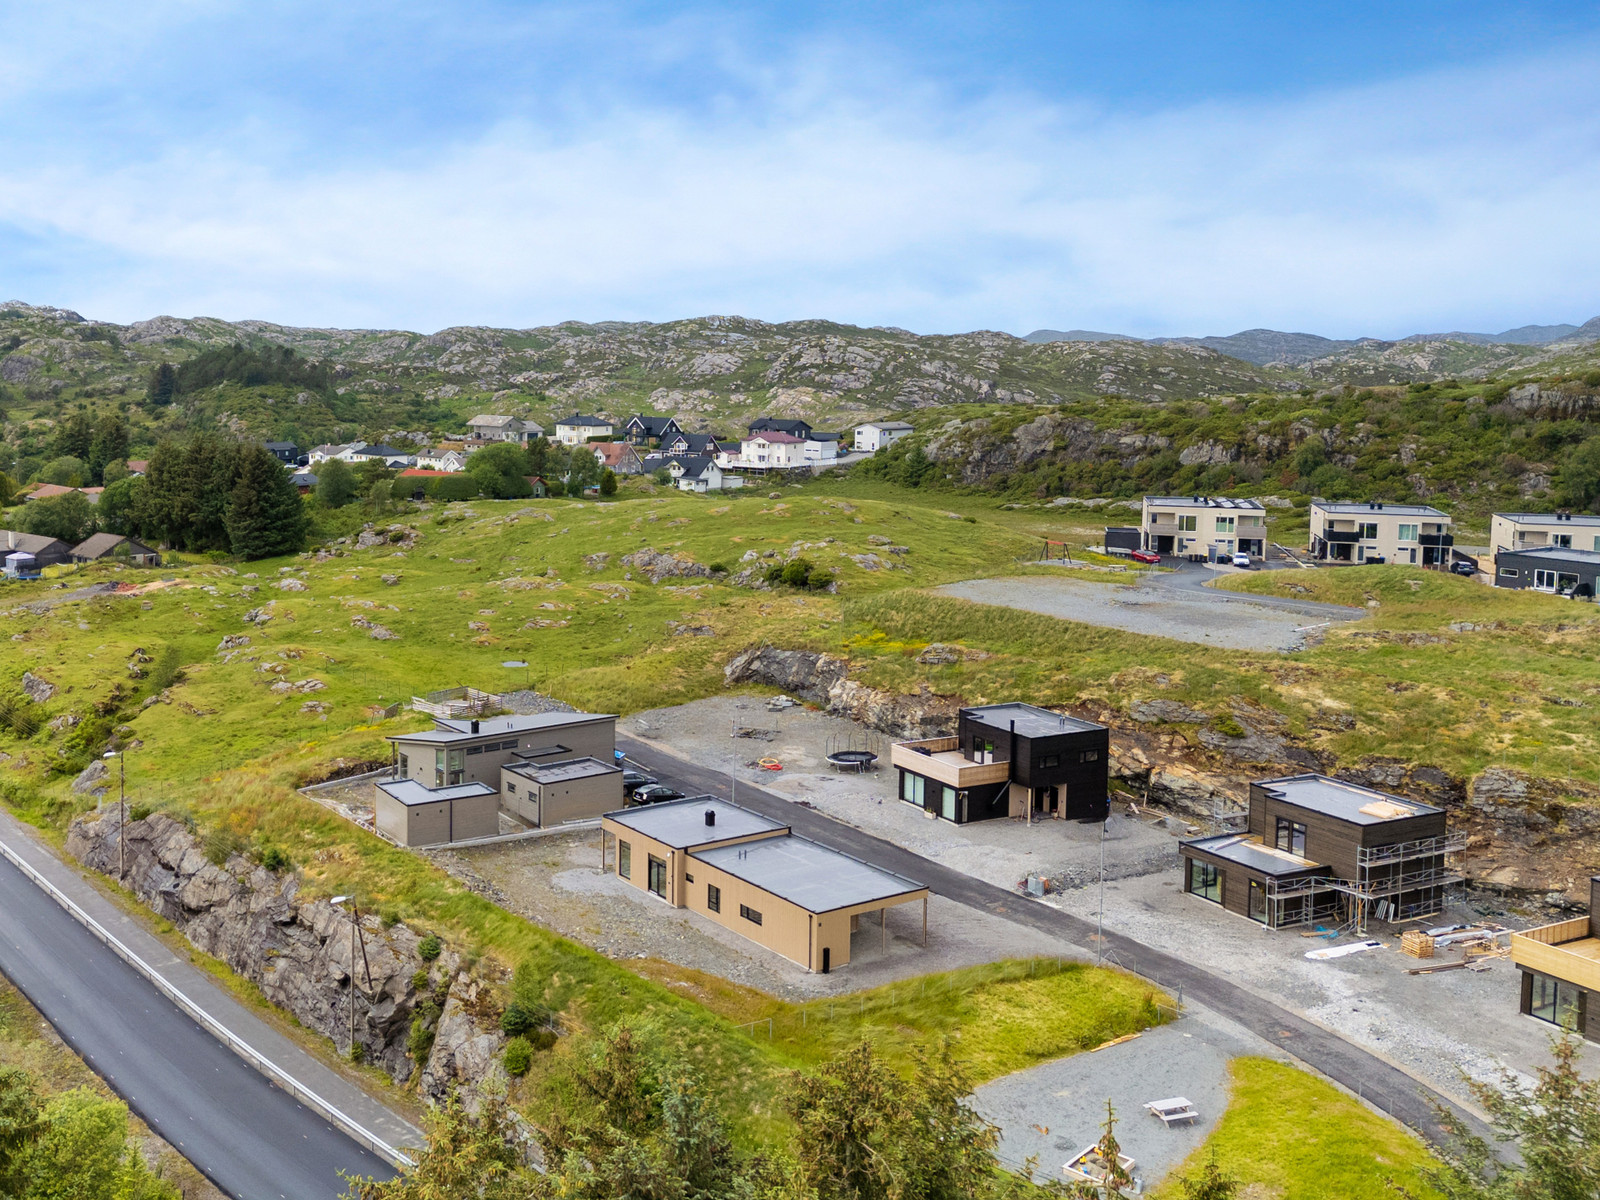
{"x":1146,"y":168}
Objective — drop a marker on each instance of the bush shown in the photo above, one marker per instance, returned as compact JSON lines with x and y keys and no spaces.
{"x":1228,"y":727}
{"x":429,"y":948}
{"x":718,"y":568}
{"x":139,"y":812}
{"x":455,"y":488}
{"x":819,"y":578}
{"x":168,"y":666}
{"x":420,"y":1042}
{"x":221,"y":845}
{"x":520,"y":1018}
{"x":518,"y":1057}
{"x":274,"y":859}
{"x":796,"y":573}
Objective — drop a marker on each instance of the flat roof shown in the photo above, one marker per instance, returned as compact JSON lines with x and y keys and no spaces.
{"x":1552,"y":518}
{"x":454,"y":730}
{"x":1346,"y":801}
{"x":1206,"y":502}
{"x":411,"y":791}
{"x":1394,"y":510}
{"x":1247,"y":852}
{"x":1554,"y":553}
{"x":803,"y":872}
{"x":1031,"y":720}
{"x":558,"y":772}
{"x":682,"y":823}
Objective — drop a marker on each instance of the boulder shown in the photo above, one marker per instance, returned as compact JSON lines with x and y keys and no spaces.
{"x":36,"y":689}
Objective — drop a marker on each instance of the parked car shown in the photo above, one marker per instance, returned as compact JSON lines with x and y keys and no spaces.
{"x":1144,"y":556}
{"x":633,"y":780}
{"x":1242,"y":560}
{"x":655,"y":793}
{"x":1462,"y":567}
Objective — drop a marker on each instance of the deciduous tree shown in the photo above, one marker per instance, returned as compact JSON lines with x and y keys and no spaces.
{"x":70,"y":517}
{"x":336,"y":484}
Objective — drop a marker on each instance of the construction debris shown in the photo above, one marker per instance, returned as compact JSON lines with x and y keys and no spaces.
{"x":1416,"y":943}
{"x":1328,"y":952}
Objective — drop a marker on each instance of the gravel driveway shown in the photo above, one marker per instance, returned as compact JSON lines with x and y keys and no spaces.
{"x":1160,"y":607}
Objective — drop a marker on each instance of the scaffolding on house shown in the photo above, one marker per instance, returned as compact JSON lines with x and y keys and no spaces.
{"x":1393,"y":883}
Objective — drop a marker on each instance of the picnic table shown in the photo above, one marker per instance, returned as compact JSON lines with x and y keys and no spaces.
{"x":1176,"y":1108}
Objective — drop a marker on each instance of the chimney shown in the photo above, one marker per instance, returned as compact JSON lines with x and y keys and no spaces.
{"x":474,"y":725}
{"x":711,"y":817}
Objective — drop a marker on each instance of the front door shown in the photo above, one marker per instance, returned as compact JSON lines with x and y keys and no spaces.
{"x":1257,"y":907}
{"x":657,"y":877}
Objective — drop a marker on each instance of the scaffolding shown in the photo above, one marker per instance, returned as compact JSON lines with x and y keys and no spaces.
{"x":1393,"y":883}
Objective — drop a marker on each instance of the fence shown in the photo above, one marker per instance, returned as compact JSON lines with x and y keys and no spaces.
{"x":274,"y":1073}
{"x":456,"y":702}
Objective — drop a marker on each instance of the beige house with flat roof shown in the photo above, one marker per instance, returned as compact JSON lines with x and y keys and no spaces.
{"x":412,"y":815}
{"x":753,"y":875}
{"x":550,"y":794}
{"x":1379,"y":532}
{"x":1530,"y":531}
{"x":1204,"y":526}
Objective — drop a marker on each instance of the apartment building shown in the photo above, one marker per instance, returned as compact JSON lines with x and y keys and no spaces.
{"x":1008,"y":760}
{"x":1203,"y":526}
{"x":1319,"y":849}
{"x":1379,"y":532}
{"x":1531,"y":531}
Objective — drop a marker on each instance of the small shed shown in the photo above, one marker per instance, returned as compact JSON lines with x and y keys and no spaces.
{"x":21,"y":565}
{"x":414,"y":815}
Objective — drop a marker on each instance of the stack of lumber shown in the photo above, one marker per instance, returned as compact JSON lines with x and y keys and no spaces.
{"x":1416,"y":943}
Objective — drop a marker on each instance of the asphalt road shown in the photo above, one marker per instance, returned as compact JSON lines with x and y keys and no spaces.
{"x":1390,"y":1088}
{"x":252,"y":1140}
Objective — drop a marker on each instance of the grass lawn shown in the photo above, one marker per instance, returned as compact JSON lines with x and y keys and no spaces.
{"x":1289,"y":1136}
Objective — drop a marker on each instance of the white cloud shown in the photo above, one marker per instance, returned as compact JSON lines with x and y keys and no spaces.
{"x":1452,"y":200}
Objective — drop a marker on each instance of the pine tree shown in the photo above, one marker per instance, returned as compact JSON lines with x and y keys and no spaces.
{"x":74,"y":437}
{"x":109,"y":445}
{"x":265,"y":515}
{"x":163,"y":385}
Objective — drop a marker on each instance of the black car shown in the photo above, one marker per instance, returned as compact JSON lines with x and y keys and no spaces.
{"x":1462,"y":566}
{"x":632,"y":780}
{"x":655,"y":793}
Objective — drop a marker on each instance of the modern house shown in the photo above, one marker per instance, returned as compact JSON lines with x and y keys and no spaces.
{"x":578,"y":429}
{"x":491,"y":427}
{"x":700,"y":473}
{"x":1379,"y":532}
{"x":793,"y":427}
{"x":646,"y":430}
{"x":1530,"y":531}
{"x":440,"y":458}
{"x":465,"y":765}
{"x":46,"y":551}
{"x":1554,"y":569}
{"x":753,"y":875}
{"x":1318,"y":848}
{"x":1008,"y":760}
{"x":285,"y":452}
{"x":1203,"y":526}
{"x":555,"y":793}
{"x":621,"y":458}
{"x":1560,"y":967}
{"x":877,"y":435}
{"x":115,"y":546}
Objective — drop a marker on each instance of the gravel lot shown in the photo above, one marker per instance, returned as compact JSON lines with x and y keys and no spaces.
{"x":556,"y":882}
{"x":1155,"y":608}
{"x":1433,"y":1026}
{"x":1055,"y":1110}
{"x":1000,"y":852}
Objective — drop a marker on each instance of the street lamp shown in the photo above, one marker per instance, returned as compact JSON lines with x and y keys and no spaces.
{"x":355,"y":938}
{"x":122,"y":805}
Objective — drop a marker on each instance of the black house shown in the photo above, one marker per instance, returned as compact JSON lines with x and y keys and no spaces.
{"x":644,"y":429}
{"x":285,"y":452}
{"x":1560,"y":570}
{"x":799,"y":429}
{"x":1009,"y":760}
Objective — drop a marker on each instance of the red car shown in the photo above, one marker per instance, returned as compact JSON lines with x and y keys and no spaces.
{"x":1144,"y":556}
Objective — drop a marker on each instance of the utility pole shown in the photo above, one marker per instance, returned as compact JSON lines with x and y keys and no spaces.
{"x":355,"y":940}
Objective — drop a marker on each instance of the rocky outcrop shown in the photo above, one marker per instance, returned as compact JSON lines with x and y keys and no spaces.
{"x":655,"y":565}
{"x":36,"y":689}
{"x":824,"y":681}
{"x":301,"y":954}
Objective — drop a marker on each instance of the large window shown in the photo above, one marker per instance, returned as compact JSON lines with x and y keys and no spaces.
{"x":713,"y":898}
{"x":947,"y":803}
{"x":1369,"y":530}
{"x":1561,"y":539}
{"x":625,"y":860}
{"x":656,"y":879}
{"x":1406,"y":533}
{"x":1188,"y":524}
{"x":1224,"y":524}
{"x":1205,"y":880}
{"x":448,"y":768}
{"x":913,"y":789}
{"x":1256,"y":906}
{"x":1291,"y":836}
{"x":1554,"y":1000}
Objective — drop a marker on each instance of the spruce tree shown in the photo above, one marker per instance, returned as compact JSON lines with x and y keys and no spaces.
{"x":74,"y":437}
{"x":265,"y":514}
{"x":163,"y":386}
{"x":109,"y":445}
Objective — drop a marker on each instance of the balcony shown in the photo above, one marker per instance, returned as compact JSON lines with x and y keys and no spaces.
{"x":941,"y":759}
{"x":1563,"y":951}
{"x":1435,"y":539}
{"x":1341,"y":535}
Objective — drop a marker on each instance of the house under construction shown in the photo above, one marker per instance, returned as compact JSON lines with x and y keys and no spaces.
{"x":1323,"y":850}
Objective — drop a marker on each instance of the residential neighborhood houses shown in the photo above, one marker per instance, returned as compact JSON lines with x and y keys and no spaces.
{"x":490,"y":427}
{"x":879,"y":435}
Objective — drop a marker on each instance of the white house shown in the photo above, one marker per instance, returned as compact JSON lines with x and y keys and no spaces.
{"x":700,"y":473}
{"x":578,"y":429}
{"x":360,"y":452}
{"x":328,"y":452}
{"x":821,"y":447}
{"x":438,"y":459}
{"x":772,"y":451}
{"x":875,"y":435}
{"x":491,"y":427}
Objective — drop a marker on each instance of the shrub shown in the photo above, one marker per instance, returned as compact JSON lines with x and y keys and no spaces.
{"x":429,"y":948}
{"x":518,"y":1057}
{"x":819,"y":578}
{"x":520,"y":1018}
{"x":796,"y":573}
{"x":1229,"y":727}
{"x":420,"y":980}
{"x":420,"y":1042}
{"x":718,"y":568}
{"x":221,"y":845}
{"x":274,"y":859}
{"x":139,"y":812}
{"x":1592,"y":379}
{"x":167,"y":668}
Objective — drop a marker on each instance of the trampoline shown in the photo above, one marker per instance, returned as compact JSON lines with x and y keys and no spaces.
{"x":853,"y":760}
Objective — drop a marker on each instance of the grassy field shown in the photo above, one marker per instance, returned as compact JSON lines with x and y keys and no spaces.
{"x":1288,"y":1136}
